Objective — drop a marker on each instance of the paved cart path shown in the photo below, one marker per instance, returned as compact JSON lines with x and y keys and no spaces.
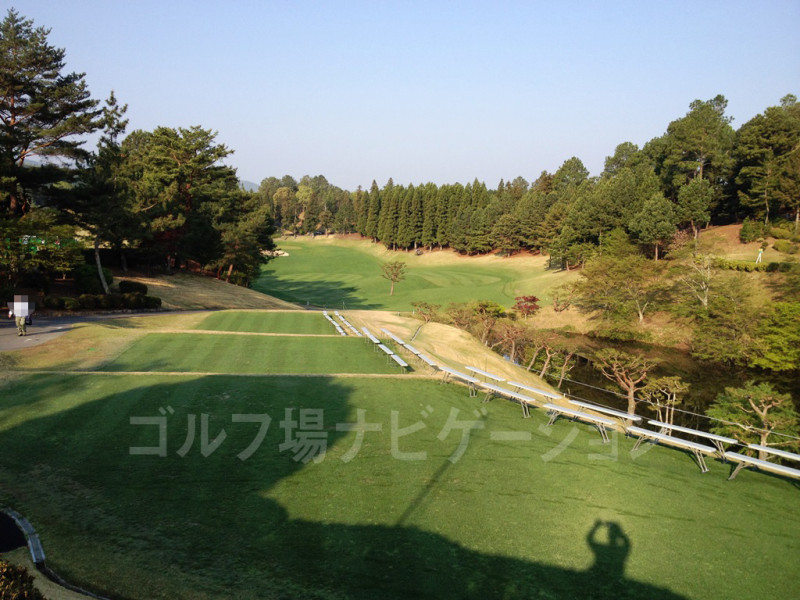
{"x":46,"y":328}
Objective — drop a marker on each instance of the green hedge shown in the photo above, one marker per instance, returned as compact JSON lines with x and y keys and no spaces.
{"x":750,"y":266}
{"x":103,"y":302}
{"x":739,"y":265}
{"x":132,"y":287}
{"x":53,"y":302}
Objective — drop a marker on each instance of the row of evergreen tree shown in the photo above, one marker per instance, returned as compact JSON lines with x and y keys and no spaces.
{"x":700,"y":171}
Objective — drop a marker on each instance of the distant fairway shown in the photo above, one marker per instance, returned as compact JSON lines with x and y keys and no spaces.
{"x":341,"y":273}
{"x":417,"y":490}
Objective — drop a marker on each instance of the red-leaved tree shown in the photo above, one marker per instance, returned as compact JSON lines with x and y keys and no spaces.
{"x":526,"y":305}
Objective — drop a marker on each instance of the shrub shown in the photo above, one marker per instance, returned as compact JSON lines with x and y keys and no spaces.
{"x":71,"y":303}
{"x":750,"y":231}
{"x":15,"y":582}
{"x":88,"y":301}
{"x":152,"y":302}
{"x":780,"y":233}
{"x":53,"y":302}
{"x":240,"y":279}
{"x":739,"y":265}
{"x":779,"y":267}
{"x":132,"y":287}
{"x":133,"y":301}
{"x":115,"y":300}
{"x":785,"y":246}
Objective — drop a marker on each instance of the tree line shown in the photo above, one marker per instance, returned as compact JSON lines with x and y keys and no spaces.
{"x":163,"y":196}
{"x":701,"y":170}
{"x":167,"y":195}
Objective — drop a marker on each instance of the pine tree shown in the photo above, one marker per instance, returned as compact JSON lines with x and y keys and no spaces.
{"x":655,"y":223}
{"x":694,"y":204}
{"x":44,"y":112}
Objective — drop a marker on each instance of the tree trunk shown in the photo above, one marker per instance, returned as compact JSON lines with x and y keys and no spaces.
{"x":391,"y":291}
{"x":631,"y":400}
{"x":797,"y":221}
{"x":764,"y":436}
{"x":640,"y":310}
{"x":564,"y":366}
{"x":230,"y":272}
{"x":99,"y":264}
{"x":546,"y":362}
{"x":533,"y":360}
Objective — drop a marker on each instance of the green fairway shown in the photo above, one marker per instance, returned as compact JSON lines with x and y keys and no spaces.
{"x":220,"y":353}
{"x":406,"y":511}
{"x":345,"y":274}
{"x":268,"y":322}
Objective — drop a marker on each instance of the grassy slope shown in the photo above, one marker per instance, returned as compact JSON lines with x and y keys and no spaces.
{"x":342,"y":273}
{"x":507,"y":519}
{"x":727,"y":240}
{"x":184,"y":291}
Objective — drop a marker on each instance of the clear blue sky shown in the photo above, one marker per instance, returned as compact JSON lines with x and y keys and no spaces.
{"x":425,"y":91}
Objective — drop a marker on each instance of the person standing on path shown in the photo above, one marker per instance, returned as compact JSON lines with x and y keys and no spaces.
{"x":21,"y":310}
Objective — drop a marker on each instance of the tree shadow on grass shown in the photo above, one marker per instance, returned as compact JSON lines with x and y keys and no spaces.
{"x":202,"y":510}
{"x":325,"y":294}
